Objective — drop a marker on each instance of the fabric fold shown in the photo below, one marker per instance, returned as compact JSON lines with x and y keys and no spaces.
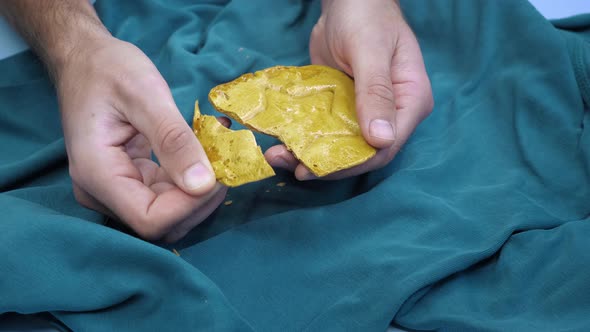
{"x":479,"y":223}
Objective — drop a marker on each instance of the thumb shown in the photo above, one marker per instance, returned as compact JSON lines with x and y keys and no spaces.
{"x":177,"y":148}
{"x":375,"y":101}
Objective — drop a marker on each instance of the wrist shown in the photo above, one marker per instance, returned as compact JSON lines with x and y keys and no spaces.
{"x":326,"y":4}
{"x":54,"y":28}
{"x":77,"y":39}
{"x":83,"y":60}
{"x":73,"y":47}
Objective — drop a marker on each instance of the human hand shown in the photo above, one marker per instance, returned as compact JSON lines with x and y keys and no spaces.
{"x":116,"y":108}
{"x":370,"y":41}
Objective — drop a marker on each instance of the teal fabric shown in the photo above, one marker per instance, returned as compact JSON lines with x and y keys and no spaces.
{"x":480,"y":223}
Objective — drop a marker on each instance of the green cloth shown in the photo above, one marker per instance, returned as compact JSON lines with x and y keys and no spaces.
{"x":480,"y":223}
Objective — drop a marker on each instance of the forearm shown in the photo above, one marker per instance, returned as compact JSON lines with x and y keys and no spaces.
{"x":54,"y":28}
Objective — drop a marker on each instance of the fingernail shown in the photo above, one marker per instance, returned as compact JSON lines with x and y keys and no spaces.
{"x":197,"y":176}
{"x":382,"y":129}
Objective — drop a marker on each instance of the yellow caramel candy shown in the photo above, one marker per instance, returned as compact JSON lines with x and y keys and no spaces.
{"x":234,"y":155}
{"x":310,"y":109}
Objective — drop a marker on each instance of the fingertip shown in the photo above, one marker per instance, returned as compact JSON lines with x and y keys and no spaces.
{"x":279,"y":156}
{"x":274,"y":151}
{"x":225,"y":121}
{"x":279,"y":162}
{"x":381,"y":133}
{"x":198,"y":179}
{"x":302,"y":173}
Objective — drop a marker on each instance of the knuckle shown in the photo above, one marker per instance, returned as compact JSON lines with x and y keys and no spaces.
{"x":380,"y":89}
{"x":151,"y":81}
{"x":173,"y":138}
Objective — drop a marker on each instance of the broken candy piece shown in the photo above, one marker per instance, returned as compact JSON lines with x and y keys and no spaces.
{"x":234,"y":155}
{"x":311,"y":109}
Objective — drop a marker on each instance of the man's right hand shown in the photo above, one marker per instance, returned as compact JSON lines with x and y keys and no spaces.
{"x":116,"y":108}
